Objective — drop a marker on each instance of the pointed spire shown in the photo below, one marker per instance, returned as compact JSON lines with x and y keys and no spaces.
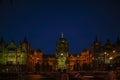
{"x":25,"y":39}
{"x":108,"y":42}
{"x":118,"y":40}
{"x":96,"y":38}
{"x":2,"y":40}
{"x":62,"y":35}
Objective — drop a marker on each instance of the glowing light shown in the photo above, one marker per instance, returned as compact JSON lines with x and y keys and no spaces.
{"x":105,"y":52}
{"x":113,"y":51}
{"x":61,"y":54}
{"x":110,"y":58}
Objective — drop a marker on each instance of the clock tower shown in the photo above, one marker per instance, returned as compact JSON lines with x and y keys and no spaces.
{"x":62,"y":48}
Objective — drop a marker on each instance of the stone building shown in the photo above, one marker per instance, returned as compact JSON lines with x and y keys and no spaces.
{"x":12,"y":54}
{"x":62,"y":51}
{"x":105,"y":54}
{"x":19,"y":57}
{"x":34,"y":57}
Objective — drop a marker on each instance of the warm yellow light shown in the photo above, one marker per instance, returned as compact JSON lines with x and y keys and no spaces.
{"x":113,"y":51}
{"x":105,"y":52}
{"x":61,"y":54}
{"x":110,"y":58}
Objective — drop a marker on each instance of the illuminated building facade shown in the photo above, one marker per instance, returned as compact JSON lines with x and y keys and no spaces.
{"x":97,"y":51}
{"x":11,"y":54}
{"x":105,"y":54}
{"x":62,"y":49}
{"x":94,"y":58}
{"x":34,"y":57}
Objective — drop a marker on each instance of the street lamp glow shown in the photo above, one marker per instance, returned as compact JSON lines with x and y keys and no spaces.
{"x":113,"y":51}
{"x":61,"y":54}
{"x":105,"y":52}
{"x":110,"y":58}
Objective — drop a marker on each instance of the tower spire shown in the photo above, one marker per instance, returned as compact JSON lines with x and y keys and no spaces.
{"x":62,"y":35}
{"x":2,"y":40}
{"x":96,"y":38}
{"x":118,"y":40}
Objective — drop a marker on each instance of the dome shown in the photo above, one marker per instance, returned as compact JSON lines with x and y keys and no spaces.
{"x":62,"y":39}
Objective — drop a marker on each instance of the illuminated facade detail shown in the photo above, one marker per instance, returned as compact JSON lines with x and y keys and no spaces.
{"x":51,"y":62}
{"x":105,"y":54}
{"x":12,"y":54}
{"x":86,"y":58}
{"x":2,"y":50}
{"x":72,"y":61}
{"x":95,"y":58}
{"x":96,"y":50}
{"x":117,"y":47}
{"x":35,"y":57}
{"x":62,"y":48}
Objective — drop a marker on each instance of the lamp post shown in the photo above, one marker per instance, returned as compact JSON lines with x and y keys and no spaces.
{"x":111,"y":65}
{"x":110,"y":58}
{"x":93,"y":62}
{"x":113,"y":60}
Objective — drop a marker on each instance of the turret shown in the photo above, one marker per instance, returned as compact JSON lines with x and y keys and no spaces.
{"x":2,"y":45}
{"x":62,"y":49}
{"x":25,"y":46}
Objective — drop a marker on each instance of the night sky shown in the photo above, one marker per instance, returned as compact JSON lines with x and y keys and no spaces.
{"x":42,"y":22}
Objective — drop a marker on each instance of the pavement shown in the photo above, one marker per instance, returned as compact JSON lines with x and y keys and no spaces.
{"x":87,"y":75}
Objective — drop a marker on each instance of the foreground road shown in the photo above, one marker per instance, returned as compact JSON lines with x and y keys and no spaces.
{"x":51,"y":76}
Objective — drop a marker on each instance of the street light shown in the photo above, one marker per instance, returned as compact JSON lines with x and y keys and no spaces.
{"x":114,"y":55}
{"x":110,"y":58}
{"x":114,"y":51}
{"x":105,"y":59}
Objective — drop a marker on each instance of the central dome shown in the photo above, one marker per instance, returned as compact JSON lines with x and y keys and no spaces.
{"x":62,"y":39}
{"x":62,"y":45}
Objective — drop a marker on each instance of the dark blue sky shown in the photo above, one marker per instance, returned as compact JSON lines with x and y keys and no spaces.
{"x":42,"y":21}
